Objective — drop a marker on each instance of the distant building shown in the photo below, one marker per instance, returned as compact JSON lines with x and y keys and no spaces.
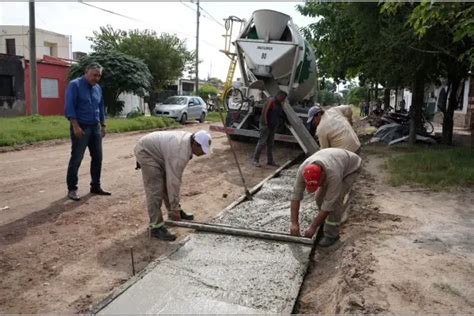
{"x":78,"y":55}
{"x":14,"y":40}
{"x":436,"y":95}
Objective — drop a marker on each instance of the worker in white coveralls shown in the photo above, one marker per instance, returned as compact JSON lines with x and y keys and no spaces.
{"x":162,"y":157}
{"x":330,"y":173}
{"x":333,"y":129}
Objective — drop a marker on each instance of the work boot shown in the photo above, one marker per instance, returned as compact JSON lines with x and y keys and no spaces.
{"x":163,"y":234}
{"x":256,"y":164}
{"x":99,"y":191}
{"x":327,"y":241}
{"x":186,"y":216}
{"x":73,"y":195}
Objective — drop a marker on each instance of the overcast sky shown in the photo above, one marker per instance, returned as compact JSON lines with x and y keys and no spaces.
{"x":79,"y":20}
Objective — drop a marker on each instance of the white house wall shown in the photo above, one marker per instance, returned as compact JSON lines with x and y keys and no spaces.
{"x":20,"y":34}
{"x":132,"y":102}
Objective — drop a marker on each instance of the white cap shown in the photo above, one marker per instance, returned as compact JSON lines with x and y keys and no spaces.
{"x":203,"y":138}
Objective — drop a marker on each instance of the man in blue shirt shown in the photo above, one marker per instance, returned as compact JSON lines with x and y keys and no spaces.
{"x":84,"y":108}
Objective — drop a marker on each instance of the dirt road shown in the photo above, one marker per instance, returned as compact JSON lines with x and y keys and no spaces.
{"x":58,"y":255}
{"x":403,"y":250}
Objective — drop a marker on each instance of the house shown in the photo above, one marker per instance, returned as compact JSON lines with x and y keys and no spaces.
{"x":437,"y":94}
{"x":14,"y":40}
{"x":51,"y":85}
{"x":12,"y":85}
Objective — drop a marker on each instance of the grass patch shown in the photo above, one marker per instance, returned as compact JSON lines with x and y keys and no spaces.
{"x":214,"y":117}
{"x":31,"y":129}
{"x":437,"y":169}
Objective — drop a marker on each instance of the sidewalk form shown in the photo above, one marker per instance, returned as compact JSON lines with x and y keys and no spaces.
{"x":222,"y":274}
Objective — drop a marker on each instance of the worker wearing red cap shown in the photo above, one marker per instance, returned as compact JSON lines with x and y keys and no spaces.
{"x":330,"y":173}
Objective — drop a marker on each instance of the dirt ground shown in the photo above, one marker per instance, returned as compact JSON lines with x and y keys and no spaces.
{"x":402,"y":250}
{"x":57,"y":255}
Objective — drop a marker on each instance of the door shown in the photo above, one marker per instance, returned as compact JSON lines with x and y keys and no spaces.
{"x":193,"y":108}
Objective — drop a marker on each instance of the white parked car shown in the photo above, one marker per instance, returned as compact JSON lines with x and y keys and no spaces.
{"x":182,"y":108}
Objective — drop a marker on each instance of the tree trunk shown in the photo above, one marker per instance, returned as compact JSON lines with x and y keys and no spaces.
{"x":396,"y":99}
{"x":377,"y":92}
{"x":417,"y":106}
{"x":386,"y":99}
{"x":152,"y":97}
{"x":448,"y":118}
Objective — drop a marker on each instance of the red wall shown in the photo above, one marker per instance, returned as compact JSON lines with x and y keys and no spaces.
{"x":47,"y":106}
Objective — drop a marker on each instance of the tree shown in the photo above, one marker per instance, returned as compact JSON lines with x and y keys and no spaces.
{"x":357,"y":95}
{"x":165,"y":55}
{"x":360,"y":39}
{"x":121,"y":73}
{"x":449,"y":28}
{"x":207,"y":90}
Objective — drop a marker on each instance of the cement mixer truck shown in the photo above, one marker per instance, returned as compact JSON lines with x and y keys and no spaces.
{"x":272,"y":55}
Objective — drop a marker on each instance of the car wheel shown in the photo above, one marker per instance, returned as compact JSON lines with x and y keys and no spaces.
{"x":202,"y":118}
{"x":183,"y":119}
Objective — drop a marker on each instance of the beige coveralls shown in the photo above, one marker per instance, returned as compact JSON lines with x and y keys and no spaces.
{"x":334,"y":131}
{"x":163,"y":157}
{"x":344,"y":110}
{"x":341,"y":167}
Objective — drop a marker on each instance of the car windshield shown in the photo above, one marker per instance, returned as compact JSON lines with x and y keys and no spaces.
{"x":175,"y":100}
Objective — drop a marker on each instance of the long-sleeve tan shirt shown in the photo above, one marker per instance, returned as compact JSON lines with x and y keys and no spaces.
{"x":337,"y":164}
{"x":334,"y":131}
{"x":169,"y":151}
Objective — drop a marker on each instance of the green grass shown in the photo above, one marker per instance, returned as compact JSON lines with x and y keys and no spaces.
{"x":214,"y":117}
{"x":437,"y":169}
{"x":31,"y":129}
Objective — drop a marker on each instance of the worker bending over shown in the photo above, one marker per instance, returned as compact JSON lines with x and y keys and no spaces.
{"x":162,"y":157}
{"x":331,"y":172}
{"x":332,"y":129}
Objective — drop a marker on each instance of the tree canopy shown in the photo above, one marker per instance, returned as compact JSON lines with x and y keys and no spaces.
{"x":121,"y":73}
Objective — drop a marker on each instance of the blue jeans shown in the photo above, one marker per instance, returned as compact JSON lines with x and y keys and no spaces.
{"x":92,"y":139}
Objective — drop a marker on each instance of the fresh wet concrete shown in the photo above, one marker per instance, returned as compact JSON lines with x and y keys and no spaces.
{"x":213,"y":273}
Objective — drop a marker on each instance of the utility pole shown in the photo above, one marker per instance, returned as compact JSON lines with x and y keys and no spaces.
{"x":197,"y":48}
{"x":33,"y":94}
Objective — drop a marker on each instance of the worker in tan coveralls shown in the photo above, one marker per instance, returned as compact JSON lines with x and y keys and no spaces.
{"x":333,"y":171}
{"x":344,"y":110}
{"x":162,"y":157}
{"x":333,"y":129}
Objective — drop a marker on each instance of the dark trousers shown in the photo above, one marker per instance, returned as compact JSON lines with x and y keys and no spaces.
{"x":92,"y":140}
{"x":267,"y":137}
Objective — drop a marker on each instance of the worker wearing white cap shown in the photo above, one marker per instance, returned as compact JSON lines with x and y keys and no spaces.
{"x":162,"y":157}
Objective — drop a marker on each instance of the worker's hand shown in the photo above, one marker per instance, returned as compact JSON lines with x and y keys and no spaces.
{"x":102,"y":131}
{"x":78,"y":132}
{"x":295,"y":229}
{"x":309,"y":232}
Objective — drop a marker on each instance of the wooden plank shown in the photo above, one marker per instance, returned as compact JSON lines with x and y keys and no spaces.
{"x":239,"y":231}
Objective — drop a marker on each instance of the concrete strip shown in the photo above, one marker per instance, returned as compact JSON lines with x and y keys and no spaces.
{"x":214,"y":273}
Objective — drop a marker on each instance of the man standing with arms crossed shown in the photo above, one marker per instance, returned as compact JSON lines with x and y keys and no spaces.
{"x":84,"y":108}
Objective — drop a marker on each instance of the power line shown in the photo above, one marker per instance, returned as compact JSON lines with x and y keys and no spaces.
{"x":146,"y":23}
{"x":108,"y":11}
{"x":212,"y":17}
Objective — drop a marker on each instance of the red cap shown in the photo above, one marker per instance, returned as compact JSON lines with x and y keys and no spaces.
{"x":311,"y":175}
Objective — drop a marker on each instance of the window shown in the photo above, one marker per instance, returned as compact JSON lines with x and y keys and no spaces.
{"x":6,"y":86}
{"x":49,"y":88}
{"x":50,"y":49}
{"x":10,"y":44}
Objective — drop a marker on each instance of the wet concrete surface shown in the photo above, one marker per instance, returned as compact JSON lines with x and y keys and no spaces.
{"x":214,"y":273}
